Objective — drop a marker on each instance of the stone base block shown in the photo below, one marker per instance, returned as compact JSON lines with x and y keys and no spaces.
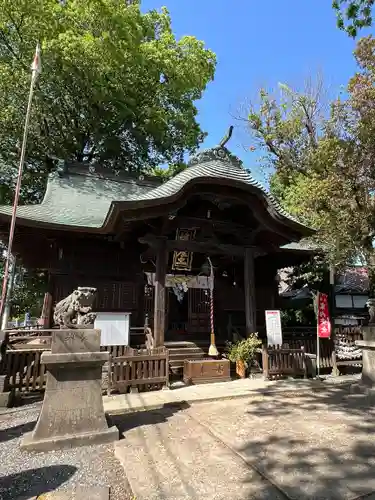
{"x":362,"y":389}
{"x":30,"y":443}
{"x":6,"y":399}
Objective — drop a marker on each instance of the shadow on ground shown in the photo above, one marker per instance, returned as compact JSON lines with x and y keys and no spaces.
{"x":34,"y":482}
{"x":16,"y":431}
{"x":129,"y":421}
{"x":312,"y":445}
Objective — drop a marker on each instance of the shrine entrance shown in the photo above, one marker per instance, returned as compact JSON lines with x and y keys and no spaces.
{"x":178,"y":315}
{"x":187,"y":306}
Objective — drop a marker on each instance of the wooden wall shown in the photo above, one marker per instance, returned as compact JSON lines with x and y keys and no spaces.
{"x":116,"y":273}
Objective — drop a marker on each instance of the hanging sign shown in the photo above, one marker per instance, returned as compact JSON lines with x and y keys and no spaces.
{"x":182,"y":259}
{"x":323,"y":319}
{"x":273,"y":328}
{"x":172,"y":280}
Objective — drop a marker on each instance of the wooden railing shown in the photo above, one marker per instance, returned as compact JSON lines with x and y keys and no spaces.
{"x":278,"y":362}
{"x":140,"y":369}
{"x":329,"y":357}
{"x":23,"y":370}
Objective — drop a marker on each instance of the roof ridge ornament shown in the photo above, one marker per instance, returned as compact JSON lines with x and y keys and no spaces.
{"x":218,"y":153}
{"x":227,"y":137}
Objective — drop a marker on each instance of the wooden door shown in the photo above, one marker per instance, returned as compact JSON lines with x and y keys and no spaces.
{"x":199,"y":310}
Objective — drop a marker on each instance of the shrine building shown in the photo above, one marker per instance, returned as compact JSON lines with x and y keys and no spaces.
{"x":145,"y":245}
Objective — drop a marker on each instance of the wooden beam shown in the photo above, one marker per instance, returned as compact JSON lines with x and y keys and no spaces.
{"x":159,"y":292}
{"x":249,"y":288}
{"x":207,"y":247}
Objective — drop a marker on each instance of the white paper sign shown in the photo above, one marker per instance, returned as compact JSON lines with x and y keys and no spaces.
{"x":114,"y":327}
{"x":273,"y":327}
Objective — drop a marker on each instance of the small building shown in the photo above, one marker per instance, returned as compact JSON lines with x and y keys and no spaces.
{"x":144,"y":244}
{"x":351,"y":295}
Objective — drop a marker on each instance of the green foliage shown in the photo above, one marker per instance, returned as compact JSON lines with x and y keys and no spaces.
{"x":244,"y":350}
{"x":323,"y":163}
{"x":167,"y":173}
{"x":314,"y":273}
{"x":116,"y":88}
{"x":28,"y":291}
{"x":298,"y":317}
{"x":353,"y":15}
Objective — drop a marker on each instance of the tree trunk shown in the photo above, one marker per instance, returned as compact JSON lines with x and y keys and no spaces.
{"x":370,"y":258}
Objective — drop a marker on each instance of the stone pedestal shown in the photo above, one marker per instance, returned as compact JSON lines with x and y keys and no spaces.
{"x":6,"y":397}
{"x":367,"y":383}
{"x":72,"y":413}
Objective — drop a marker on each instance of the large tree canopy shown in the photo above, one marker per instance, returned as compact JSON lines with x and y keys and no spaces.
{"x":116,"y":87}
{"x":353,"y":15}
{"x":324,"y":163}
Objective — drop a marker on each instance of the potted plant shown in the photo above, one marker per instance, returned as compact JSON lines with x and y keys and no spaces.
{"x":243,"y":353}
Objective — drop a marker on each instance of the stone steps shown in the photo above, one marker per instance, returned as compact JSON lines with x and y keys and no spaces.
{"x":181,"y":350}
{"x":166,"y":454}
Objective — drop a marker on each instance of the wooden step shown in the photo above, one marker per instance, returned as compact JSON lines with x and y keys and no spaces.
{"x":186,"y":350}
{"x":179,"y":344}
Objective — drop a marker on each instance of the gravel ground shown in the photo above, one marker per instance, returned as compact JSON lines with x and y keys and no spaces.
{"x":36,"y":473}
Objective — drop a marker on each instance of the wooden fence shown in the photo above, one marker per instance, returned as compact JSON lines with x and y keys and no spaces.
{"x":148,"y":368}
{"x":296,"y":356}
{"x":141,"y":369}
{"x":23,"y":370}
{"x":280,"y":362}
{"x":331,"y":350}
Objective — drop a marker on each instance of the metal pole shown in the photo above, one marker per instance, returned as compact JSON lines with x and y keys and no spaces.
{"x":6,"y":314}
{"x":35,"y":71}
{"x":317,"y":353}
{"x":317,"y":336}
{"x":212,"y":351}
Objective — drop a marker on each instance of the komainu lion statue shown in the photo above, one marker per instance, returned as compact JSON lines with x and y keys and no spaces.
{"x":75,"y":311}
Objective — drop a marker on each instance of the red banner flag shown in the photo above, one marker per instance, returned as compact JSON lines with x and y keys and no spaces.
{"x":323,"y":319}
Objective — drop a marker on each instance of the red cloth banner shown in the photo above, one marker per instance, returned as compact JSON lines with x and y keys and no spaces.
{"x":323,"y":320}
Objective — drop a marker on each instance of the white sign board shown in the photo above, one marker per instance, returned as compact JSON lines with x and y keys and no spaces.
{"x":273,"y":327}
{"x":114,"y":327}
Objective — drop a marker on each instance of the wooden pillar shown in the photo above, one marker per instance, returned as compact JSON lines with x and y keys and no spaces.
{"x":159,"y":294}
{"x":249,"y":289}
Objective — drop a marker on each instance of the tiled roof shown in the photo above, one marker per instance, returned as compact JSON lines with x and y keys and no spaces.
{"x":354,"y":279}
{"x":303,"y":246}
{"x":79,"y":199}
{"x":85,"y":199}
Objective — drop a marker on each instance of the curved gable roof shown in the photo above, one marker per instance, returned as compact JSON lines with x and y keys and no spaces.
{"x":82,"y":199}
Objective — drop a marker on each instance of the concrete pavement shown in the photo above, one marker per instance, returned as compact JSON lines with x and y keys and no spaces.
{"x":125,"y":403}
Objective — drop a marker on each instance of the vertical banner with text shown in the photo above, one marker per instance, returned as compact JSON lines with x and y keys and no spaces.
{"x":323,"y":319}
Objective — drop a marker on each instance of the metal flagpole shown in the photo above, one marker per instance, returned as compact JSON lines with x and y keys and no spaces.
{"x":35,"y":68}
{"x":7,"y":306}
{"x":317,"y":336}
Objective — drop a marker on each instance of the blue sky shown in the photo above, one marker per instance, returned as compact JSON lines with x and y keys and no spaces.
{"x":259,"y":43}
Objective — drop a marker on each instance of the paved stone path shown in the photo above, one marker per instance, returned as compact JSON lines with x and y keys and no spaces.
{"x":307,"y":446}
{"x":124,"y":403}
{"x":174,"y":458}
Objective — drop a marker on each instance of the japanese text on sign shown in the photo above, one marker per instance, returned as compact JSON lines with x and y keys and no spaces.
{"x":273,"y":327}
{"x":323,"y":319}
